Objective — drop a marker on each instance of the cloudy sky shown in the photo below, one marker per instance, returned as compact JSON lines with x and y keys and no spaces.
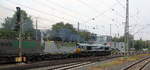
{"x":95,"y":16}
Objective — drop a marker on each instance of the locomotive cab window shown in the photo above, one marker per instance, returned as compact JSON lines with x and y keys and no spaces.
{"x":89,"y":48}
{"x":106,"y":48}
{"x":101,"y":48}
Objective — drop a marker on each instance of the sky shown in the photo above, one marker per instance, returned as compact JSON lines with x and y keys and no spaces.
{"x":96,"y":16}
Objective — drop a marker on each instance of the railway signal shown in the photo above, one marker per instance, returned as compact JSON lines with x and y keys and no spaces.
{"x":18,"y":27}
{"x":18,"y":19}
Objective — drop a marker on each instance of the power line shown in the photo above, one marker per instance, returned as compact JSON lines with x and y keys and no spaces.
{"x":97,"y":11}
{"x":7,"y":8}
{"x":84,"y":3}
{"x":102,"y":13}
{"x":29,"y":14}
{"x":135,"y":25}
{"x":61,"y":6}
{"x":136,"y":21}
{"x":141,"y":29}
{"x":52,"y":8}
{"x":38,"y":11}
{"x":120,"y":4}
{"x":117,"y":13}
{"x":43,"y":18}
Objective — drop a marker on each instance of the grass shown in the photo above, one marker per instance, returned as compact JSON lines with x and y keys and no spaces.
{"x":117,"y":61}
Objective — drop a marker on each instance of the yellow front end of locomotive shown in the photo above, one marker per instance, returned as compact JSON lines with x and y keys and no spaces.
{"x":78,"y":50}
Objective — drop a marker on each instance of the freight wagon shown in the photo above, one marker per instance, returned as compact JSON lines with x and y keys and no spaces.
{"x":9,"y":50}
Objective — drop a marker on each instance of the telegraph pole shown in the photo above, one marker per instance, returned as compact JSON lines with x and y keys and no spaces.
{"x":110,"y":29}
{"x":78,"y":26}
{"x":126,"y":34}
{"x":36,"y":28}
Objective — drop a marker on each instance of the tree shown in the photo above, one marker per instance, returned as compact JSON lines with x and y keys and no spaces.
{"x":116,"y":39}
{"x":85,"y":35}
{"x":70,"y":27}
{"x":10,"y":22}
{"x":138,"y":45}
{"x":61,"y":25}
{"x":63,"y":32}
{"x":66,"y":32}
{"x":58,"y":26}
{"x":7,"y":34}
{"x":141,"y":44}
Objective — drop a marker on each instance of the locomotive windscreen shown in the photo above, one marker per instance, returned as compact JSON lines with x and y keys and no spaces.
{"x":106,"y":48}
{"x":89,"y":47}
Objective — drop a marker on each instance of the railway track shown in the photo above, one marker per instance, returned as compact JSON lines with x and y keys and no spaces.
{"x":73,"y":63}
{"x":57,"y":62}
{"x":74,"y":66}
{"x":139,"y":65}
{"x":69,"y":66}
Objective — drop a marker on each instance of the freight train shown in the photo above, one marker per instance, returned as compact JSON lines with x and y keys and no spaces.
{"x":35,"y":50}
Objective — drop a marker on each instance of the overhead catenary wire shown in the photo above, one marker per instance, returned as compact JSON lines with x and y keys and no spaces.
{"x":48,"y":6}
{"x":84,"y":3}
{"x":100,"y":14}
{"x":123,"y":6}
{"x":69,"y":9}
{"x":105,"y":12}
{"x":7,"y":8}
{"x":81,"y":1}
{"x":118,"y":13}
{"x":61,"y":6}
{"x":29,"y":14}
{"x":39,"y":11}
{"x":137,"y":20}
{"x":141,"y":29}
{"x":46,"y":13}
